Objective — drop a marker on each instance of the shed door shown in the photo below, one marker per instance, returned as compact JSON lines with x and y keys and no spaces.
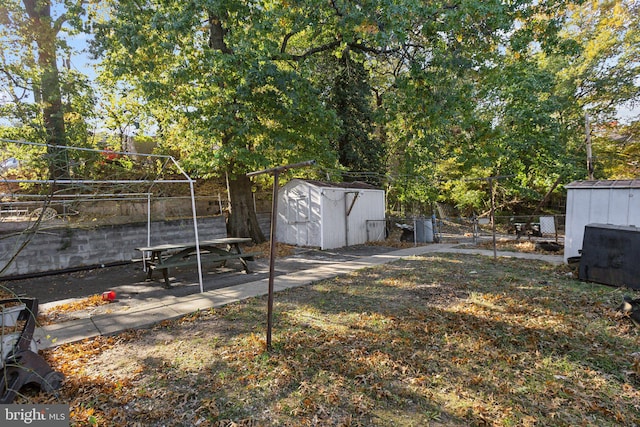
{"x":298,"y":215}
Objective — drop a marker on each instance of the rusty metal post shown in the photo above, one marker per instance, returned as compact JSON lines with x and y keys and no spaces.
{"x":493,"y":217}
{"x":272,"y":256}
{"x":272,"y":238}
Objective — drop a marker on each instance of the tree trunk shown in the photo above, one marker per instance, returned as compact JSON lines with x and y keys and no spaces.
{"x":216,"y":34}
{"x":53,"y":116}
{"x":46,"y":32}
{"x":243,"y":221}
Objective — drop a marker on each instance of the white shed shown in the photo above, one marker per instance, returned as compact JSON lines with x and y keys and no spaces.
{"x":329,"y":215}
{"x":603,"y":202}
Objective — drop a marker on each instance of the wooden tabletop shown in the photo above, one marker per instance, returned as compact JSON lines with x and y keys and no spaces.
{"x":221,"y":241}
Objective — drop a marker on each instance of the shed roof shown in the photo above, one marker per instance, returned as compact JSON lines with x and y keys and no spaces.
{"x":617,"y":183}
{"x":355,"y":184}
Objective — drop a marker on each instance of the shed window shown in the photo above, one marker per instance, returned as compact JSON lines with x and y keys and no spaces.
{"x":299,"y":209}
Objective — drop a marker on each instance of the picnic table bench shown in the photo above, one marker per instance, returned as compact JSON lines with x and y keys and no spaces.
{"x":170,"y":255}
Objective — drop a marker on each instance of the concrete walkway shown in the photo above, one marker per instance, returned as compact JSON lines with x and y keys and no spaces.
{"x":145,"y":314}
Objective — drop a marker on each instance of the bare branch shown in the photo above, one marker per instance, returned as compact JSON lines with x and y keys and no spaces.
{"x":13,"y":80}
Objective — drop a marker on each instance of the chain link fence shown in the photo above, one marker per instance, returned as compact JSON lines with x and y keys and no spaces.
{"x":519,"y":228}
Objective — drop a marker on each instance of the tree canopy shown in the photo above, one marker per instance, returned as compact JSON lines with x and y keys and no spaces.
{"x":422,"y":97}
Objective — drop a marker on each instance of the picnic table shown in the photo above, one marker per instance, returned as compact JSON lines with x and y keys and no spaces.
{"x":170,"y":255}
{"x":10,"y":213}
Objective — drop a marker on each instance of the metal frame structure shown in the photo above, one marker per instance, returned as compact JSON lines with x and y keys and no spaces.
{"x":150,"y":182}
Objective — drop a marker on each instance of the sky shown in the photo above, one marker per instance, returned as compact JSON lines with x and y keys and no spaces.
{"x":628,"y":114}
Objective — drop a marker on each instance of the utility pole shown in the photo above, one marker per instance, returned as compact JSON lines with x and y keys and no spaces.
{"x":272,"y":239}
{"x":587,"y":129}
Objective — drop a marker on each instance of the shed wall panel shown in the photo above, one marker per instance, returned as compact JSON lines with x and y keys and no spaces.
{"x":633,"y":210}
{"x":618,"y":207}
{"x":298,"y":215}
{"x":368,"y":206}
{"x":333,"y":221}
{"x":615,"y":206}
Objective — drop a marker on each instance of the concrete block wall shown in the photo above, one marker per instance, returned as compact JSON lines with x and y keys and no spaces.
{"x":65,"y":247}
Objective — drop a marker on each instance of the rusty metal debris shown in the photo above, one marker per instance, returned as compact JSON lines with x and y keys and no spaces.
{"x":21,"y":364}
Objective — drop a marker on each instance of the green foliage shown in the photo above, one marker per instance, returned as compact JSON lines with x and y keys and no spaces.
{"x":423,"y":97}
{"x":617,"y":151}
{"x":511,"y":105}
{"x":606,"y":68}
{"x":229,"y":109}
{"x":358,"y":148}
{"x":31,"y":159}
{"x":40,"y":90}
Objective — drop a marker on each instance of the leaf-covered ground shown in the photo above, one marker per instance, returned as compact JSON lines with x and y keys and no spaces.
{"x":435,"y":340}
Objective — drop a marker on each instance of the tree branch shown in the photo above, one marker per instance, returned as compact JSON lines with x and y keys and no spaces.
{"x":12,"y":78}
{"x":58,"y":23}
{"x":364,"y":48}
{"x":217,"y":33}
{"x":285,"y":41}
{"x":310,"y":52}
{"x":335,"y":7}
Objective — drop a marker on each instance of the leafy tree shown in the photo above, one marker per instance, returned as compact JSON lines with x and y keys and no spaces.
{"x":536,"y":135}
{"x":441,"y":105}
{"x":37,"y":93}
{"x":241,"y":80}
{"x":606,"y":67}
{"x":588,"y":67}
{"x":358,"y":148}
{"x":511,"y":100}
{"x":462,"y":90}
{"x":618,"y":150}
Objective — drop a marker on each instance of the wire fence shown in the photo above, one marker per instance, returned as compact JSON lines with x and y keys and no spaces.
{"x":524,"y":227}
{"x":434,"y":229}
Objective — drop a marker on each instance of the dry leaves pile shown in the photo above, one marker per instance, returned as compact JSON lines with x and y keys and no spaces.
{"x":54,"y":314}
{"x":6,"y":294}
{"x":282,"y":249}
{"x":439,"y":340}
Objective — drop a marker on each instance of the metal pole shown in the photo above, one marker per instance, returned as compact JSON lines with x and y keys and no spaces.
{"x":272,"y":239}
{"x":144,"y":254}
{"x":346,"y":219}
{"x":587,"y":129}
{"x":493,"y":219}
{"x":197,"y":237}
{"x":272,"y":257}
{"x":148,"y":219}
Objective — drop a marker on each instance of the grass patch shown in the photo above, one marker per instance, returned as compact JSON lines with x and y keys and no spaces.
{"x":436,"y":340}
